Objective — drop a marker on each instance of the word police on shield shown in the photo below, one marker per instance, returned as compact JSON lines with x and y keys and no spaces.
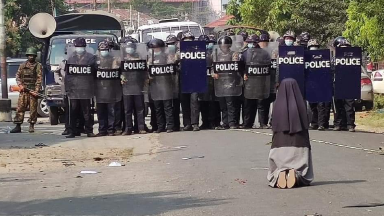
{"x":193,"y":67}
{"x":79,"y":70}
{"x":159,"y":70}
{"x":137,"y":65}
{"x":107,"y":74}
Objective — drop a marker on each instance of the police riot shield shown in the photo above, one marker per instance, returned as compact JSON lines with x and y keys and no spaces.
{"x":208,"y":95}
{"x":193,"y":66}
{"x":134,"y":73}
{"x":318,"y":76}
{"x":258,"y":73}
{"x":161,"y":63}
{"x":227,"y":68}
{"x":348,"y":73}
{"x":237,"y":42}
{"x":80,"y":71}
{"x":291,"y":64}
{"x":108,"y":84}
{"x":273,"y":51}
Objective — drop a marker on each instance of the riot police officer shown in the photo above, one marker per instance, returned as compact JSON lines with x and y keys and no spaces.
{"x":107,"y":88}
{"x":305,"y":37}
{"x":228,"y":85}
{"x":161,"y":84}
{"x":289,"y":38}
{"x":209,"y":105}
{"x":134,"y":78}
{"x":173,"y":44}
{"x":189,"y":101}
{"x":79,"y":86}
{"x":250,"y":105}
{"x":345,"y":108}
{"x":265,"y":104}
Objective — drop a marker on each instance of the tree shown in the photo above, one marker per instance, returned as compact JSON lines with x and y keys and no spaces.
{"x":17,"y":14}
{"x":365,"y":26}
{"x":323,"y":19}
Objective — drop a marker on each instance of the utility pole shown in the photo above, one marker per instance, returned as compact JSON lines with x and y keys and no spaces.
{"x":94,"y":5}
{"x":109,"y":6}
{"x":5,"y":103}
{"x":130,"y":15}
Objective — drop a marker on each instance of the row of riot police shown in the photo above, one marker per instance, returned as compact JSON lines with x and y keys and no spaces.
{"x":221,"y":79}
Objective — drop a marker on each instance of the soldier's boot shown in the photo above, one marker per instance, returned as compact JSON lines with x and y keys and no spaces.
{"x":31,"y":128}
{"x":17,"y":129}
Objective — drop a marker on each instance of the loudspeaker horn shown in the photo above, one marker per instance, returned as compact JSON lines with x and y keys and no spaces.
{"x":42,"y":25}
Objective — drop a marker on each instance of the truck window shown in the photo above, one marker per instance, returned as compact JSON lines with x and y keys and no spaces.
{"x":12,"y":69}
{"x":196,"y":31}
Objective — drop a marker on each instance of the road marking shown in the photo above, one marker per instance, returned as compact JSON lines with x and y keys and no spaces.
{"x":319,"y":141}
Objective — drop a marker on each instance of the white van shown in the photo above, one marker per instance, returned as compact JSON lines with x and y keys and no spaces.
{"x":164,"y":28}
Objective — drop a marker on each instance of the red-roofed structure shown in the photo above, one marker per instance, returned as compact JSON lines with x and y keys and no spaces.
{"x":220,"y":22}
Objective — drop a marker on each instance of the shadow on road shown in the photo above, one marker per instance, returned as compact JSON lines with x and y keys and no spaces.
{"x":337,"y":182}
{"x":118,"y":204}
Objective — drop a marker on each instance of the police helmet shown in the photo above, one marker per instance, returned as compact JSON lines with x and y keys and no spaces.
{"x":290,"y":34}
{"x":305,"y":36}
{"x":313,"y":43}
{"x":156,"y":43}
{"x":244,"y":34}
{"x":224,"y":40}
{"x":80,"y":42}
{"x":179,"y":35}
{"x":230,"y":33}
{"x":171,"y":39}
{"x":31,"y":51}
{"x":341,"y":41}
{"x":253,"y":39}
{"x":204,"y":38}
{"x":264,"y":37}
{"x":103,"y":45}
{"x":212,"y":38}
{"x":188,"y":35}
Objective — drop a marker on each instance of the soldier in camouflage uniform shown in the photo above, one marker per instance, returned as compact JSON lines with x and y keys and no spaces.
{"x":28,"y":78}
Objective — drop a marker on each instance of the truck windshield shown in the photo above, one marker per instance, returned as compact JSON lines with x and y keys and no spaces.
{"x":149,"y":34}
{"x":57,"y":49}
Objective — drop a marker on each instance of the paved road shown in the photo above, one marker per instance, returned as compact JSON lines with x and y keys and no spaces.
{"x":226,"y":176}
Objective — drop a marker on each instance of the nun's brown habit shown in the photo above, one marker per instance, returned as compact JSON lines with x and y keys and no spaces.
{"x":291,"y":148}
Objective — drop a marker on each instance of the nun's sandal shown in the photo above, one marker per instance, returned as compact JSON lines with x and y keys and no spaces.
{"x":291,"y":178}
{"x":282,"y":180}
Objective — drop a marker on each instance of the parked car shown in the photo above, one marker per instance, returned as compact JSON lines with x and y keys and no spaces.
{"x":366,"y":92}
{"x":13,"y":93}
{"x":378,"y":82}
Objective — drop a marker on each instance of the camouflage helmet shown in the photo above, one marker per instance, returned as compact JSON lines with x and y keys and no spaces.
{"x":103,"y":45}
{"x":171,"y":39}
{"x":253,"y":39}
{"x":313,"y":43}
{"x":188,"y":35}
{"x":31,"y":51}
{"x":264,"y":37}
{"x":305,"y":36}
{"x":290,"y":34}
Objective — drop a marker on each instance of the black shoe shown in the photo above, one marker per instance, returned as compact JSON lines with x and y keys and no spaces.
{"x":71,"y":135}
{"x":263,"y":127}
{"x":91,"y":135}
{"x":78,"y":134}
{"x":245,"y":127}
{"x":313,"y":127}
{"x":234,"y":127}
{"x":188,"y":128}
{"x":344,"y":129}
{"x":176,"y":129}
{"x":66,"y":132}
{"x":336,"y":128}
{"x":169,"y":131}
{"x":196,"y":128}
{"x":17,"y":129}
{"x":219,"y":128}
{"x":101,"y":134}
{"x":321,"y":128}
{"x":351,"y":129}
{"x":142,"y":132}
{"x":127,"y":133}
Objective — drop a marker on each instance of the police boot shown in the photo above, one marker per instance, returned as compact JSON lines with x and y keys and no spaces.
{"x":17,"y":129}
{"x":195,"y":127}
{"x":31,"y":128}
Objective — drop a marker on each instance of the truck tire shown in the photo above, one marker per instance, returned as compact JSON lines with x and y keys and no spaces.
{"x":54,"y":115}
{"x":42,"y":108}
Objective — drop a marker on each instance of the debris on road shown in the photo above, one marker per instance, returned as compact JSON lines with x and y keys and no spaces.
{"x":193,"y":157}
{"x":79,"y":176}
{"x":68,"y":163}
{"x":40,"y":145}
{"x":241,"y":181}
{"x":98,"y":159}
{"x":88,"y":172}
{"x":115,"y":164}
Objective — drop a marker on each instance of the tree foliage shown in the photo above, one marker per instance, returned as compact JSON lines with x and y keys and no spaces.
{"x":323,"y":19}
{"x":365,"y":26}
{"x":17,"y":14}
